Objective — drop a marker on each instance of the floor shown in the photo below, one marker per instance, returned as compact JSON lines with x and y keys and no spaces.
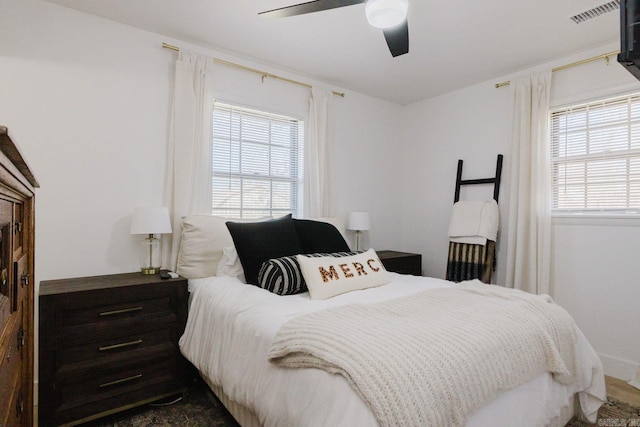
{"x":622,"y":391}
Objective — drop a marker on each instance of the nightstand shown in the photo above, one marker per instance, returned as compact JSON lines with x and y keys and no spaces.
{"x":401,"y":262}
{"x":109,"y":343}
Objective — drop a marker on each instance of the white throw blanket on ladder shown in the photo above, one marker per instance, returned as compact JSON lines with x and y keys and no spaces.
{"x":434,"y":358}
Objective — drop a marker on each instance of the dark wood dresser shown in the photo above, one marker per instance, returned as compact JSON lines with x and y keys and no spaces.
{"x":109,"y":343}
{"x":401,"y":262}
{"x":17,"y":210}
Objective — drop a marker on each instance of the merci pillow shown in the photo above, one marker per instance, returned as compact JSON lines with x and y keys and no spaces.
{"x":329,"y":276}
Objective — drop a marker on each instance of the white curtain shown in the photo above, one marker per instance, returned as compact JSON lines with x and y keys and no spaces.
{"x":188,"y":173}
{"x":529,"y":234}
{"x":318,"y":169}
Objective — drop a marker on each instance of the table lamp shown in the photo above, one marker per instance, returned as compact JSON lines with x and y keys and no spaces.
{"x":150,"y":221}
{"x":358,"y":222}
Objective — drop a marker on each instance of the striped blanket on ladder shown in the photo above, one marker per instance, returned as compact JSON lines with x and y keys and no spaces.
{"x":467,"y":261}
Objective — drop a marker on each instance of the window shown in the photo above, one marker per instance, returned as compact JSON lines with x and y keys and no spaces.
{"x":257,"y":163}
{"x":595,"y":156}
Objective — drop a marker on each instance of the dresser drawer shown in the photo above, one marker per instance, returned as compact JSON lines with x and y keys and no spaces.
{"x":95,"y":307}
{"x":117,"y":380}
{"x":118,"y":387}
{"x":122,"y":344}
{"x":111,"y":330}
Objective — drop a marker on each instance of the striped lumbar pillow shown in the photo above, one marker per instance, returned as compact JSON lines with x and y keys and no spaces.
{"x":283,"y":276}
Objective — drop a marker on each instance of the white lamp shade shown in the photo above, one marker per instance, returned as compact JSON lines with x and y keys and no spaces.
{"x":386,"y":13}
{"x":150,"y":220}
{"x":359,"y":221}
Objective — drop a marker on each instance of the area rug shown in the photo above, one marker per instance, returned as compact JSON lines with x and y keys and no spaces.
{"x":202,"y":409}
{"x":613,"y":413}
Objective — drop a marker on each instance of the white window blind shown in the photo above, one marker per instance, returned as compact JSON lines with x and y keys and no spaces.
{"x":595,"y":156}
{"x":257,"y":161}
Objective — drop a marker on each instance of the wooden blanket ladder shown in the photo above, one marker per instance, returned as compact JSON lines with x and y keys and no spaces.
{"x":470,"y":261}
{"x":495,"y":180}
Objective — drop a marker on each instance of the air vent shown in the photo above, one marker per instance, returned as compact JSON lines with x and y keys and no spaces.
{"x":596,"y":11}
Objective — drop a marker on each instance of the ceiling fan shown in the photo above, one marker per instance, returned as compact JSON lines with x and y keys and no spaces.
{"x":389,"y":15}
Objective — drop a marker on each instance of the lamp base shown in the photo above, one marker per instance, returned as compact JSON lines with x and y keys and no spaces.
{"x":150,"y":270}
{"x":150,"y":261}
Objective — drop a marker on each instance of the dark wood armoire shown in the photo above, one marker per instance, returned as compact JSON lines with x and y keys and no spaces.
{"x":17,"y":184}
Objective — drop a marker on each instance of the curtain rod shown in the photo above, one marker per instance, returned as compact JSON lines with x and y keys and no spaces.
{"x":604,"y":56}
{"x":264,"y":74}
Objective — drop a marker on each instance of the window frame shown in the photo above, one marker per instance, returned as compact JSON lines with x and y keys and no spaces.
{"x":632,"y":98}
{"x":296,"y":159}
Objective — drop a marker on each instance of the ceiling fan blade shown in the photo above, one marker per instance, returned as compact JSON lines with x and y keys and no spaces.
{"x":398,"y":39}
{"x":308,"y":7}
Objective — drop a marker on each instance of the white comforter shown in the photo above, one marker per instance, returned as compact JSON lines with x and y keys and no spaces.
{"x":231,"y":327}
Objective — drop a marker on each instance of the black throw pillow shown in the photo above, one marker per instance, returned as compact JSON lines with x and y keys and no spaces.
{"x":257,"y":242}
{"x":317,"y":236}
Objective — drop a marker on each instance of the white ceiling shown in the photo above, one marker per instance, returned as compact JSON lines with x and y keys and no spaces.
{"x":453,"y":43}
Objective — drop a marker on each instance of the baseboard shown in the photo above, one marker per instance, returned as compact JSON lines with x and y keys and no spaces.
{"x":619,"y":368}
{"x":635,"y":382}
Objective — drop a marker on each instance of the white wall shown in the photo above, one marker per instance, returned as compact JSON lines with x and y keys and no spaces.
{"x":88,"y":102}
{"x":468,"y":125}
{"x":368,"y":166}
{"x":595,"y":279}
{"x":594,"y":275}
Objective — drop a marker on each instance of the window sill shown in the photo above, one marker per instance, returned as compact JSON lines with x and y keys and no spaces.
{"x":603,"y":219}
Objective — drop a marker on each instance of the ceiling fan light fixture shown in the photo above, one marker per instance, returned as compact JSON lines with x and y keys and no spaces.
{"x":386,"y":13}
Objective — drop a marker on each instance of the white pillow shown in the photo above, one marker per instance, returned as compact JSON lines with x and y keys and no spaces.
{"x":230,"y":265}
{"x":204,"y":238}
{"x":330,"y":276}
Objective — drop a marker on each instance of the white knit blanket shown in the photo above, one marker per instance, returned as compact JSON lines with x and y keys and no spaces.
{"x":434,"y":358}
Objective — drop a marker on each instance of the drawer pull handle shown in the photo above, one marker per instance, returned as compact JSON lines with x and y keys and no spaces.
{"x":124,"y":344}
{"x":120,"y":381}
{"x":124,"y":310}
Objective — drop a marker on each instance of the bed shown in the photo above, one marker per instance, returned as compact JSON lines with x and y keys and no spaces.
{"x":233,"y":329}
